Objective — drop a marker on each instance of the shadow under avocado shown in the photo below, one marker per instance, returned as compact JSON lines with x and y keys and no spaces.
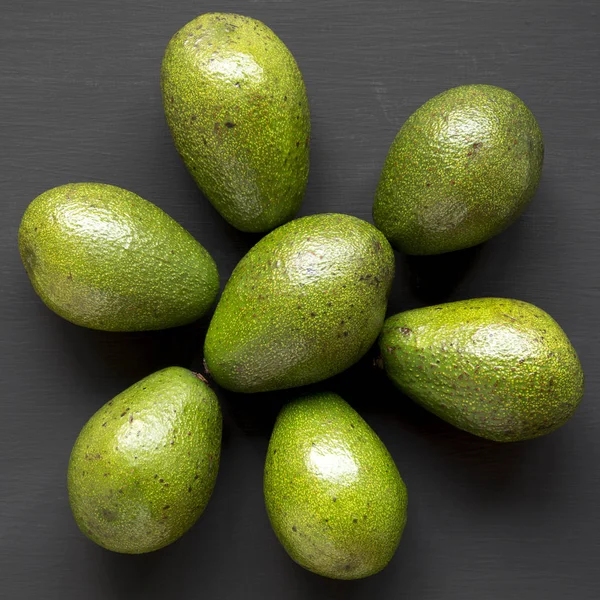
{"x":434,"y":278}
{"x":132,"y":575}
{"x":129,"y":356}
{"x":168,"y":571}
{"x":250,"y":414}
{"x":364,"y":386}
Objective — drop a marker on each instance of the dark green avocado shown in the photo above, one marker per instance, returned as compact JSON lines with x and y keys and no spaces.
{"x":463,"y":167}
{"x":333,"y":494}
{"x":102,"y":257}
{"x":236,"y":105}
{"x":500,"y":369}
{"x":144,"y":466}
{"x":305,"y":303}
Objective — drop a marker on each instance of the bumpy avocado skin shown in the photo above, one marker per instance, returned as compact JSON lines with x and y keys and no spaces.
{"x":104,"y":258}
{"x":237,"y":108}
{"x":144,"y":466}
{"x":498,"y":368}
{"x":305,"y":303}
{"x":332,"y":491}
{"x":463,"y":167}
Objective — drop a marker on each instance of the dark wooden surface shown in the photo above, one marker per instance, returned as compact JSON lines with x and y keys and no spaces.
{"x":80,"y":101}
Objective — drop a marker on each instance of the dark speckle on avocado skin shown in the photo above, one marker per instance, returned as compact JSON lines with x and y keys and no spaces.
{"x":305,"y":303}
{"x":117,"y":496}
{"x":323,"y":476}
{"x":236,"y":105}
{"x":500,"y":369}
{"x":463,"y":167}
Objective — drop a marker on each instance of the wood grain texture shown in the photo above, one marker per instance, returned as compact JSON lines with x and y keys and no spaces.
{"x":80,"y":101}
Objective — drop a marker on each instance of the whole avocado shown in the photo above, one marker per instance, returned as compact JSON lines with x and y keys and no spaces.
{"x":333,"y":494}
{"x":144,"y":466}
{"x":102,"y":257}
{"x":500,"y":369}
{"x":305,"y":303}
{"x":236,"y":105}
{"x":462,"y":169}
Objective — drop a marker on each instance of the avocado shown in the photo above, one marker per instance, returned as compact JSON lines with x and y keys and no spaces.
{"x":236,"y":105}
{"x":498,"y":368}
{"x":462,"y":168}
{"x":102,"y":257}
{"x":333,"y":494}
{"x":305,"y":303}
{"x":144,"y":466}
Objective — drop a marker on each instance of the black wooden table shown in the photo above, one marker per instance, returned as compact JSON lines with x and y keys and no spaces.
{"x":80,"y":101}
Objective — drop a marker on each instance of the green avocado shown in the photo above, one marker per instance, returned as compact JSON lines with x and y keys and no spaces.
{"x":333,"y":494}
{"x":102,"y":257}
{"x":144,"y":466}
{"x":500,"y":369}
{"x":462,"y":168}
{"x":236,"y":105}
{"x":305,"y":303}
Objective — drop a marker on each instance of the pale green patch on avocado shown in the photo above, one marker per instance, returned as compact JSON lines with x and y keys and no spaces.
{"x":333,"y":494}
{"x":104,"y":258}
{"x":236,"y":105}
{"x":500,"y":369}
{"x":305,"y":303}
{"x":144,"y":466}
{"x":463,"y":167}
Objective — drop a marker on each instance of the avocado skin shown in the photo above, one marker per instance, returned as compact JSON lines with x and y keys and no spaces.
{"x":463,"y":168}
{"x":333,"y":494}
{"x":305,"y":303}
{"x":104,"y":258}
{"x":236,"y":105}
{"x":498,"y":368}
{"x":144,"y":466}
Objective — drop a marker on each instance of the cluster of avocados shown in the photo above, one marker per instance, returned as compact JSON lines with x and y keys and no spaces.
{"x":305,"y":303}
